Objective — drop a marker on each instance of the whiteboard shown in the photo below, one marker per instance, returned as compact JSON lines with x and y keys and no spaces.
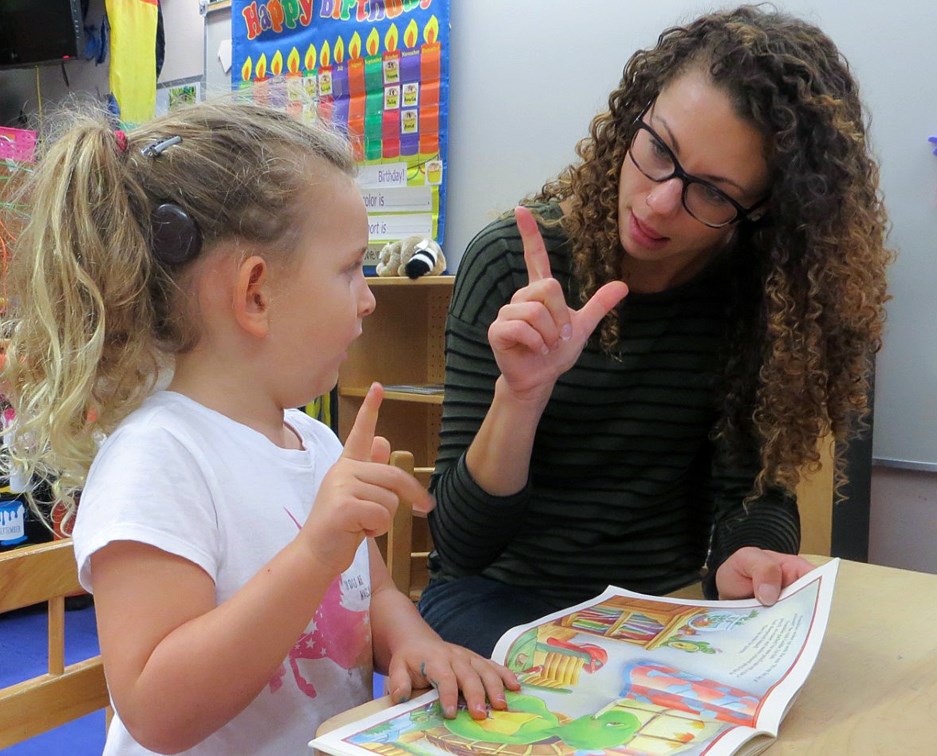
{"x":527,"y":76}
{"x":217,"y":34}
{"x":185,"y":53}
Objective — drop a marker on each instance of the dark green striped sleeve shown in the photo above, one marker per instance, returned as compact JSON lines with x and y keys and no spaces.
{"x":470,"y":528}
{"x":770,"y":522}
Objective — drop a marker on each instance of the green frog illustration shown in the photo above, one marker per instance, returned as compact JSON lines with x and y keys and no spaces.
{"x":529,"y":721}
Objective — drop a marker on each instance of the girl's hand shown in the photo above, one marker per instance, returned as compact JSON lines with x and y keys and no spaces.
{"x":536,"y":336}
{"x":760,"y":573}
{"x":360,"y":493}
{"x":449,"y":668}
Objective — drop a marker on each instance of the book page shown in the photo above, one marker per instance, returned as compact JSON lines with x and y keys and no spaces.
{"x":629,"y":674}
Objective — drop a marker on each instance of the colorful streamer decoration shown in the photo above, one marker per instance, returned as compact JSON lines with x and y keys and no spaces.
{"x":376,"y":68}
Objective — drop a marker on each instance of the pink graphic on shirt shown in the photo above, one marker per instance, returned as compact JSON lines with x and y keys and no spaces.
{"x":336,"y":633}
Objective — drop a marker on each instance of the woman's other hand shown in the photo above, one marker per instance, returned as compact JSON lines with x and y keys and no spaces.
{"x":759,"y":573}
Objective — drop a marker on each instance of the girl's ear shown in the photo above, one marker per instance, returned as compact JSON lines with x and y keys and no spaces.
{"x":252,"y":296}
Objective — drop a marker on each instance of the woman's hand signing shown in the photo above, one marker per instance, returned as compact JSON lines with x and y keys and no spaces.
{"x":537,"y":337}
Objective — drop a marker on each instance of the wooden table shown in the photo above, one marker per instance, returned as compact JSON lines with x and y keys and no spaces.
{"x":873,"y":689}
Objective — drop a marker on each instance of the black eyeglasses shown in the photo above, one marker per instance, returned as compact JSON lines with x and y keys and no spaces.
{"x":707,"y":203}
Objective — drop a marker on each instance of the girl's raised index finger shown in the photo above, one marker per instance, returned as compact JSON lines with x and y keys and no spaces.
{"x":361,"y":436}
{"x":535,"y":253}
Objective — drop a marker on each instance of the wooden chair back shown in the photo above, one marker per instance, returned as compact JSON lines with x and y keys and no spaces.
{"x":30,"y":575}
{"x":407,"y":544}
{"x":815,"y":502}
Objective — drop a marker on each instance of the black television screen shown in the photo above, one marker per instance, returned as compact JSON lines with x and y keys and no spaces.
{"x":39,"y":31}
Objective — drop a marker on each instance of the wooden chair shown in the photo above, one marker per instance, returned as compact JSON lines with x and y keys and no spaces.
{"x":31,"y":575}
{"x":815,"y":502}
{"x":407,"y":544}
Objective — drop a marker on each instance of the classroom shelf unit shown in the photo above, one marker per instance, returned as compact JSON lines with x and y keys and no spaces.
{"x":403,"y":347}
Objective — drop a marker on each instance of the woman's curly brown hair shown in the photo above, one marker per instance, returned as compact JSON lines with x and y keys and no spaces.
{"x":806,"y":313}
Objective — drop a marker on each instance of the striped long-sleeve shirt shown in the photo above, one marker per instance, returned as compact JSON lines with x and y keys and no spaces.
{"x":625,"y":486}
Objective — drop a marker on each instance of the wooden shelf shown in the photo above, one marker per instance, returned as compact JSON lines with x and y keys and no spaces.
{"x":402,"y":345}
{"x":425,"y":281}
{"x":394,"y":396}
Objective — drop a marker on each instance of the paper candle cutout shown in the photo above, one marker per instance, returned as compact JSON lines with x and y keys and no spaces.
{"x":390,"y":123}
{"x":357,"y":92}
{"x":374,"y":96}
{"x":339,"y":85}
{"x":430,"y":60}
{"x":276,"y":64}
{"x":295,"y":95}
{"x":325,"y":81}
{"x":409,"y":81}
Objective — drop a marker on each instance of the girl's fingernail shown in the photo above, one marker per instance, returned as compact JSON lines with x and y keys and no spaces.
{"x":566,"y":332}
{"x":450,"y":711}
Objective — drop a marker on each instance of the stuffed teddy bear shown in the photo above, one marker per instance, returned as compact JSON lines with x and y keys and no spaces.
{"x":413,"y":257}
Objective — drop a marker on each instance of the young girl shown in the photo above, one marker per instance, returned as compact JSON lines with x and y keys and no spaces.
{"x":226,"y":538}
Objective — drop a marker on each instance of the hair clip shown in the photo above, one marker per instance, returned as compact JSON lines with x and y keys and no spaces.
{"x":158,"y":148}
{"x":175,"y":236}
{"x":120,"y":136}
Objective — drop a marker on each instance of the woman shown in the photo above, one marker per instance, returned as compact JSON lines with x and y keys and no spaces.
{"x":729,"y":193}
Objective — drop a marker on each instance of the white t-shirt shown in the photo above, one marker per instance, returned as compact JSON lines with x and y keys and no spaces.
{"x":192,"y":482}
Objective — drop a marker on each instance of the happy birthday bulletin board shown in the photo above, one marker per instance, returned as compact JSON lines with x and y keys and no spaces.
{"x":379,"y":69}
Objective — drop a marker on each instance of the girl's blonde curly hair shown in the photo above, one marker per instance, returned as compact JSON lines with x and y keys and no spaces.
{"x":807,"y":307}
{"x":94,"y":318}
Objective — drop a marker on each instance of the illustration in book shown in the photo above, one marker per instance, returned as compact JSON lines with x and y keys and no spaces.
{"x":630,"y":675}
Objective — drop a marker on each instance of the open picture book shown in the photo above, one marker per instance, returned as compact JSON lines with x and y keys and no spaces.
{"x":628,"y":674}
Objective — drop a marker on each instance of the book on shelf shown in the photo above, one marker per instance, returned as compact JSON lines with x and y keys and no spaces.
{"x":628,"y":674}
{"x":428,"y":389}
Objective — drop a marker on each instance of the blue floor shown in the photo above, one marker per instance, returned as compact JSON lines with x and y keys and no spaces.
{"x":23,"y":654}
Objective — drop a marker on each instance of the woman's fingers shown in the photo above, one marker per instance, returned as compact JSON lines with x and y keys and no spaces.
{"x":535,"y":253}
{"x":600,"y":304}
{"x":541,"y":284}
{"x":530,"y":323}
